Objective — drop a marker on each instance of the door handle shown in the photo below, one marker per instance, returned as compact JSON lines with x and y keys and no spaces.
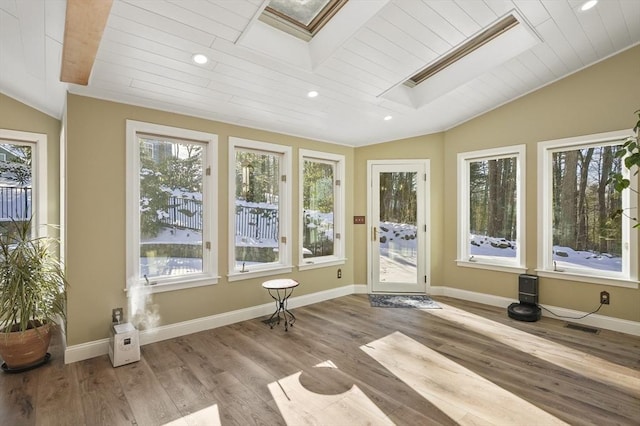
{"x":375,"y":233}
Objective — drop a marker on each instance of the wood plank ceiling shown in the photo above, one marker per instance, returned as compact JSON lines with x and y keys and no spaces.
{"x":145,"y":58}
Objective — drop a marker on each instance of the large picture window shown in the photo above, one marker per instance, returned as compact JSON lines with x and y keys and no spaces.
{"x":582,"y":235}
{"x":171,"y":224}
{"x":259,"y":201}
{"x":491,"y":213}
{"x":322,"y":209}
{"x":23,"y":179}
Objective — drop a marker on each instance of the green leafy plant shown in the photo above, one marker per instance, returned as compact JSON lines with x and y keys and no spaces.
{"x":630,"y":152}
{"x":32,"y":281}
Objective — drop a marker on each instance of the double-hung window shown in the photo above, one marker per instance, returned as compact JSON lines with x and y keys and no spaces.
{"x":582,"y":237}
{"x":491,"y":208}
{"x":259,"y":203}
{"x":23,"y":179}
{"x":322,"y":209}
{"x":171,"y":195}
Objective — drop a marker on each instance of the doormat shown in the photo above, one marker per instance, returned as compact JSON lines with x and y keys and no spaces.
{"x":418,"y":301}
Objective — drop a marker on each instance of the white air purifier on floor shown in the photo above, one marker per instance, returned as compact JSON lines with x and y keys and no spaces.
{"x":124,"y":344}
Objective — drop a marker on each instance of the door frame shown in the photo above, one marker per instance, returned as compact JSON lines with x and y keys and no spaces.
{"x":424,"y":246}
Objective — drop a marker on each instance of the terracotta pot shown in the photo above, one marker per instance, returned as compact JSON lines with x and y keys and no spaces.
{"x":22,"y":349}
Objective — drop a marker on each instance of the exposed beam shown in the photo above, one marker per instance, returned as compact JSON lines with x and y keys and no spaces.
{"x":84,"y":24}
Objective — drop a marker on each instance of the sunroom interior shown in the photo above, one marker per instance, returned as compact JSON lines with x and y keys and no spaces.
{"x":564,"y":86}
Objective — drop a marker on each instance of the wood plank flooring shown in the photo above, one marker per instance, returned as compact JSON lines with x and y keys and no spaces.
{"x":346,"y":363}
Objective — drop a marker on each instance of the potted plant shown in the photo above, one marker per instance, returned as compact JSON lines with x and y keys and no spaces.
{"x":32,"y":296}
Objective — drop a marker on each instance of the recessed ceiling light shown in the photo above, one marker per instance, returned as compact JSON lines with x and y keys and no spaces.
{"x":199,"y":58}
{"x":588,"y":5}
{"x":312,"y":94}
{"x":387,"y":118}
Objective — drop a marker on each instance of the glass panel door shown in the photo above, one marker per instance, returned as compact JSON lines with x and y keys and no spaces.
{"x":398,"y":228}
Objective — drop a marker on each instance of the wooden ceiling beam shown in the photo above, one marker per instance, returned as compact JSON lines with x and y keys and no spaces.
{"x":84,"y":24}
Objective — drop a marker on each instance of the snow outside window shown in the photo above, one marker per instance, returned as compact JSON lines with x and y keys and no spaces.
{"x":172,"y":225}
{"x":491,"y":211}
{"x":259,"y":225}
{"x":23,"y":177}
{"x":582,"y":235}
{"x":322,"y":209}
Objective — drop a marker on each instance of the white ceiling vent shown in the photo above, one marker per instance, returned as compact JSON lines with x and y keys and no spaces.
{"x":503,"y":40}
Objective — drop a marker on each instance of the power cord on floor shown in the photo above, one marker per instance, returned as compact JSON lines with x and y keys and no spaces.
{"x":562,"y":316}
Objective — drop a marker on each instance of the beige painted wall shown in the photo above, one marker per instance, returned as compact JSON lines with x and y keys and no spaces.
{"x":15,"y":115}
{"x":96,"y":220}
{"x":598,"y":99}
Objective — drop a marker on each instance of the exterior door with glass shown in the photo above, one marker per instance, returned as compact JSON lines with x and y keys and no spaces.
{"x":398,"y":226}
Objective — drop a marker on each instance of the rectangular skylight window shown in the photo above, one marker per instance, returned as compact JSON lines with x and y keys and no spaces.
{"x":301,"y":18}
{"x":463,"y":50}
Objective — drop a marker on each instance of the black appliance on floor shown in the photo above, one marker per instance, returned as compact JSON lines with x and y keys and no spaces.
{"x":527,"y":309}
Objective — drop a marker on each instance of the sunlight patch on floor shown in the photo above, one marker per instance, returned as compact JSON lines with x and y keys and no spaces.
{"x":587,"y":365}
{"x":209,"y":416}
{"x":298,"y":405}
{"x":464,"y":396}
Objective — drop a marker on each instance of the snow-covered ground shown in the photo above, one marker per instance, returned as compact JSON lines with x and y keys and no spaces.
{"x":398,"y":250}
{"x":565,"y":257}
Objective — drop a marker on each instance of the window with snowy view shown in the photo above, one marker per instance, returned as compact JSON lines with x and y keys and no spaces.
{"x":322,"y":201}
{"x":490,"y":213}
{"x":260,"y":203}
{"x":173,"y":225}
{"x":23,"y":181}
{"x":583,"y":233}
{"x":15,"y":184}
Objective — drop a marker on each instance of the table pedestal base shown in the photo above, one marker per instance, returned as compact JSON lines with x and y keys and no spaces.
{"x":281,"y":296}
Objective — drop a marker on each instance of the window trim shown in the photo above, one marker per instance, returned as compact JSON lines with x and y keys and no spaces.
{"x":629,"y":275}
{"x":284,"y":208}
{"x":339,"y":218}
{"x":209,"y":275}
{"x":517,"y":265}
{"x":39,"y":174}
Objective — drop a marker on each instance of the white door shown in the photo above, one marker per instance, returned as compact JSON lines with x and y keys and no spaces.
{"x":398,"y":226}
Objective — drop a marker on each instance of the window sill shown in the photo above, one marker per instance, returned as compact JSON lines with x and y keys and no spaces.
{"x":314,"y":264}
{"x":492,"y":267}
{"x":161,"y":288}
{"x":572,"y":276}
{"x":239,"y":276}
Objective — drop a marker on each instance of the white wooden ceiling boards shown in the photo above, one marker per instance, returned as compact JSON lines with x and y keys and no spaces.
{"x":259,"y":77}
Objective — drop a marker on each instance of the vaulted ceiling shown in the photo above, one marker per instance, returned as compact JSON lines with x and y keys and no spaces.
{"x":259,"y":77}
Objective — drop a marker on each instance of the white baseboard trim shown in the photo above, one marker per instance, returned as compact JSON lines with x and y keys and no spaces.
{"x":87,"y":350}
{"x":101,"y":347}
{"x":593,"y":320}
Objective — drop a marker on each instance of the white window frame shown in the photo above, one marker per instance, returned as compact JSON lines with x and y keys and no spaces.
{"x":338,"y":257}
{"x":517,"y":264}
{"x":629,"y":275}
{"x":38,"y":143}
{"x":209,"y":275}
{"x":284,"y":210}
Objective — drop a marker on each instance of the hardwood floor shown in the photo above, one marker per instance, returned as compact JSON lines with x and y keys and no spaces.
{"x":346,"y":363}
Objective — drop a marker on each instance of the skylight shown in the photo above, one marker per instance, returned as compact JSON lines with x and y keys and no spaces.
{"x":466,"y":48}
{"x":300,"y":18}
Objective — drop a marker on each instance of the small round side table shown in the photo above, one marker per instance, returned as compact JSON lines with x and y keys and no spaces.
{"x":280,"y":290}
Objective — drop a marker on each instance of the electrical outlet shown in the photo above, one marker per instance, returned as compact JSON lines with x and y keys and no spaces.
{"x":116,"y":315}
{"x":339,"y":273}
{"x":604,"y":298}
